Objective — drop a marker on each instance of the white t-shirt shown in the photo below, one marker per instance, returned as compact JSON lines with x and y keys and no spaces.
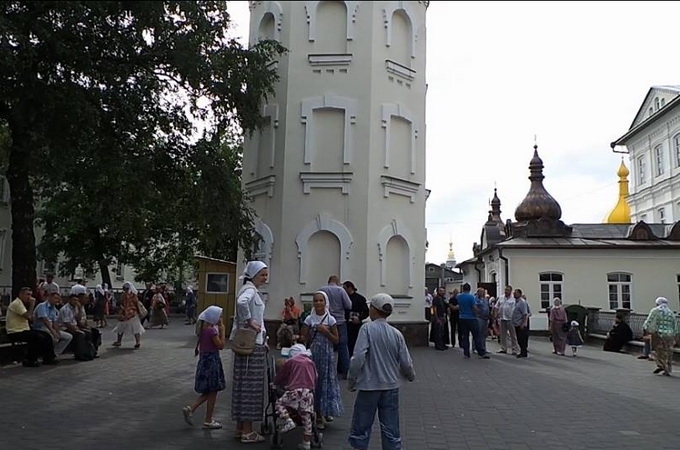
{"x":313,"y":320}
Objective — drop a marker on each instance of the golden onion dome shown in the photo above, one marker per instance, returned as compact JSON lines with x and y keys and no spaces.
{"x":621,"y":212}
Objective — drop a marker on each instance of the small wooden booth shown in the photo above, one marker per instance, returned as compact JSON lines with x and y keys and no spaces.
{"x":216,"y":285}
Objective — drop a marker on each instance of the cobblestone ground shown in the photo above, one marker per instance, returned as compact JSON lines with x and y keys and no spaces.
{"x":133,"y":399}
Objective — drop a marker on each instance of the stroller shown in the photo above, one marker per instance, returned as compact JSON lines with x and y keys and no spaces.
{"x":269,"y":424}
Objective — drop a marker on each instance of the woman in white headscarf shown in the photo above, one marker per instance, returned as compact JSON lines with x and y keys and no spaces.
{"x":662,"y":325}
{"x":247,"y":397}
{"x":128,"y":318}
{"x":320,"y":332}
{"x":98,"y":313}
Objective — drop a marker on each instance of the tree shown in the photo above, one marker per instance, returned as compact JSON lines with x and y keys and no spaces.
{"x":101,"y":100}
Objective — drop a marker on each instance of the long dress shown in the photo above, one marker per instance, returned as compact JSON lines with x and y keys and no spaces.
{"x":327,"y":399}
{"x":158,"y":313}
{"x":558,"y":317}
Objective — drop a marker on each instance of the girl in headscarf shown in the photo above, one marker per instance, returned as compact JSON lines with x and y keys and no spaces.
{"x":320,"y":332}
{"x":558,"y":331}
{"x":128,"y":318}
{"x":661,"y":324}
{"x":209,"y":372}
{"x":247,"y":397}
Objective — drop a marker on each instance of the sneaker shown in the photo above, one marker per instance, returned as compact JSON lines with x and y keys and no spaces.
{"x":502,"y":351}
{"x":287,"y":426}
{"x":188,"y":415}
{"x":485,"y":356}
{"x":304,"y":446}
{"x":214,"y":425}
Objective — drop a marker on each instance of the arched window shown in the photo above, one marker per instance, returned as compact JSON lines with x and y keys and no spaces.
{"x":663,"y":102}
{"x":619,"y":286}
{"x":551,"y":287}
{"x":656,"y":103}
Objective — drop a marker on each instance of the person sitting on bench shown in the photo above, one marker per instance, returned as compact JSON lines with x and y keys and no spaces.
{"x":618,"y":336}
{"x":39,"y":344}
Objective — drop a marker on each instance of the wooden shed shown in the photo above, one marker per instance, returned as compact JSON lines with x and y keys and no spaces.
{"x":216,"y":285}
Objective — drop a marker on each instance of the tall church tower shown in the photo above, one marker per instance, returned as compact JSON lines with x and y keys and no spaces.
{"x":337,"y":178}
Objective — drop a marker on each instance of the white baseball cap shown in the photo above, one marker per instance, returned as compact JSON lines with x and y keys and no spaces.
{"x":383,"y":302}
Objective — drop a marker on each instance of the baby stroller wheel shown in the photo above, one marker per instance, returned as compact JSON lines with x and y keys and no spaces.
{"x":317,"y":440}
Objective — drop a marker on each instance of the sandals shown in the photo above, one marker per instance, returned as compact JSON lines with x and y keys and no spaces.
{"x":252,"y":438}
{"x":214,"y":425}
{"x":188,"y":415}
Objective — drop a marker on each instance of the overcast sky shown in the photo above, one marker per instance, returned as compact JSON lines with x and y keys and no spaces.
{"x":499,"y":73}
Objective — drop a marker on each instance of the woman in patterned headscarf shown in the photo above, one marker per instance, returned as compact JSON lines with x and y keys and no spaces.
{"x":662,"y":325}
{"x":128,"y":318}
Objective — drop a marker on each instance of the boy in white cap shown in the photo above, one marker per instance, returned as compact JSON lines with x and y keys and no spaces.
{"x":380,"y":359}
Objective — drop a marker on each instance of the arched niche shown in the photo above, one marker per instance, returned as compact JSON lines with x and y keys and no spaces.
{"x":388,"y":14}
{"x":395,"y":228}
{"x":311,"y":9}
{"x":323,"y":222}
{"x":263,"y":251}
{"x":274,"y":10}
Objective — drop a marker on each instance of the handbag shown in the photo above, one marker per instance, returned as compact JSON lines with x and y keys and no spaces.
{"x":244,"y":341}
{"x":142,"y":312}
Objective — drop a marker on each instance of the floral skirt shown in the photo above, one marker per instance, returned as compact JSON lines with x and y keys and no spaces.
{"x":328,"y":401}
{"x":209,"y":373}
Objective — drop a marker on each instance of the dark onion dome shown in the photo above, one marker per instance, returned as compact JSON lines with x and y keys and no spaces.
{"x":537,"y":203}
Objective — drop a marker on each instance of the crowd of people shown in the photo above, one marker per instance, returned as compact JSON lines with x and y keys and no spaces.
{"x":371,"y":357}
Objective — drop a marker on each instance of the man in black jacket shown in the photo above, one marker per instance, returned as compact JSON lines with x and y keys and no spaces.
{"x":355,"y":316}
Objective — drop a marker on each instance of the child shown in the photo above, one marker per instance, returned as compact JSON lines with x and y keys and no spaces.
{"x":209,"y":373}
{"x":290,"y":322}
{"x":297,"y":375}
{"x":380,"y":357}
{"x":574,"y":338}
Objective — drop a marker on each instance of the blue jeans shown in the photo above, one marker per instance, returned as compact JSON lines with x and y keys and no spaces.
{"x":482,"y":332}
{"x":365,"y":406}
{"x":470,"y":327}
{"x":343,"y":350}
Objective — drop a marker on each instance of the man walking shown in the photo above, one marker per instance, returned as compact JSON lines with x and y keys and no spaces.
{"x":380,"y":359}
{"x":520,"y":320}
{"x":338,"y":303}
{"x":504,"y":308}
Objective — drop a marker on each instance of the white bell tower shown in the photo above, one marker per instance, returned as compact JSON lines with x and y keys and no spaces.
{"x":337,"y":177}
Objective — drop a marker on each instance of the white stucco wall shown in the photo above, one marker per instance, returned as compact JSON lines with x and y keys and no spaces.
{"x":341,"y":83}
{"x":649,"y":195}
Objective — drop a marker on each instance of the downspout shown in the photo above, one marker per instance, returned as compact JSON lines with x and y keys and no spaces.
{"x":479,"y":272}
{"x":507,"y":266}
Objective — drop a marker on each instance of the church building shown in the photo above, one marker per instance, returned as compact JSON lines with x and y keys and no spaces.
{"x":611,"y":266}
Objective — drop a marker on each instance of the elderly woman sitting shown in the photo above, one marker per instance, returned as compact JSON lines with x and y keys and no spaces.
{"x":618,"y":336}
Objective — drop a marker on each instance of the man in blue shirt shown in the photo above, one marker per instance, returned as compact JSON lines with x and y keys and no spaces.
{"x":46,"y":319}
{"x":467,"y":321}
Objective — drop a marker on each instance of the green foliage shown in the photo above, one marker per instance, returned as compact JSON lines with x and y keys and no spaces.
{"x":105,"y":99}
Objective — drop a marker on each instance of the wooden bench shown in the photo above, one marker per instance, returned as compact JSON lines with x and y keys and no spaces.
{"x":17,"y":349}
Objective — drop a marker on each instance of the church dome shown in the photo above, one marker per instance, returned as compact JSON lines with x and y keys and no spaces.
{"x":621,"y":212}
{"x":538,"y":203}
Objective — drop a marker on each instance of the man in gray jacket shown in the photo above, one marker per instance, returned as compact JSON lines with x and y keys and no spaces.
{"x":380,"y":359}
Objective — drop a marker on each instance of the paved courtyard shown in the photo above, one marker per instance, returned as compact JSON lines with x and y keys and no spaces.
{"x":133,"y":399}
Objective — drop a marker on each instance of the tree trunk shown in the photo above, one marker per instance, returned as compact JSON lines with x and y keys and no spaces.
{"x":23,"y":216}
{"x":106,"y":275}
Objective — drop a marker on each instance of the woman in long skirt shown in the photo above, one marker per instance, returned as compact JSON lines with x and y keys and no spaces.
{"x":320,"y":332}
{"x":661,"y":324}
{"x":159,"y":316}
{"x":128,"y":319}
{"x":247,"y":398}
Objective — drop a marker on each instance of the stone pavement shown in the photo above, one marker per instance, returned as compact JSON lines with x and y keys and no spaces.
{"x":133,"y":399}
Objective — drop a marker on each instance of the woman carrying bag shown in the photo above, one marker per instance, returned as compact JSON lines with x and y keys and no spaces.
{"x":250,"y":366}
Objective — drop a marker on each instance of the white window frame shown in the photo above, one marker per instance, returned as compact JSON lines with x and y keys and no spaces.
{"x":658,"y":159}
{"x":553,"y":287}
{"x":676,"y":144}
{"x":642,"y":170}
{"x":623,"y":282}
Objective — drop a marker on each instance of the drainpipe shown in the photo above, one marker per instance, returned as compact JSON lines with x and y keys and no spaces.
{"x":479,"y":272}
{"x":507,"y":266}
